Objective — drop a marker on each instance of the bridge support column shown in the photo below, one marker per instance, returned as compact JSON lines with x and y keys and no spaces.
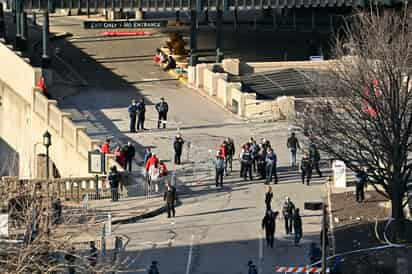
{"x":45,"y":59}
{"x":2,"y":28}
{"x":193,"y":38}
{"x":219,"y":53}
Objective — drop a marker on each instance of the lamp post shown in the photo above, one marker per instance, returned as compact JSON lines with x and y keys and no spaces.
{"x":47,"y":144}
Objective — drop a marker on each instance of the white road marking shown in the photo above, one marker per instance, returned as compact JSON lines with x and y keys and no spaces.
{"x":260,"y":252}
{"x":189,"y":258}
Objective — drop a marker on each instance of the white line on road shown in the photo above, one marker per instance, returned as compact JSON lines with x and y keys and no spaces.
{"x":260,"y":252}
{"x":189,"y":258}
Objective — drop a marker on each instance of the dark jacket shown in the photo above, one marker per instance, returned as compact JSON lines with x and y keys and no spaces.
{"x":297,"y":223}
{"x":230,"y":147}
{"x":246,"y":157}
{"x":314,"y":154}
{"x":114,"y":179}
{"x":268,"y":197}
{"x":162,"y":107}
{"x":178,"y":144}
{"x":305,"y":164}
{"x":361,"y":178}
{"x":269,"y":222}
{"x":130,"y":152}
{"x":288,"y":209}
{"x":132,"y":109}
{"x":170,"y":195}
{"x":141,"y":109}
{"x":271,"y":159}
{"x":293,"y":142}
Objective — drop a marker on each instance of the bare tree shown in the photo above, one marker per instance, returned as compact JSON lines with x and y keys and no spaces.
{"x":40,"y":239}
{"x":365,"y":116}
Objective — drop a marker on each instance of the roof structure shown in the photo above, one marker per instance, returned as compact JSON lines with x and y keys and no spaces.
{"x":271,"y":84}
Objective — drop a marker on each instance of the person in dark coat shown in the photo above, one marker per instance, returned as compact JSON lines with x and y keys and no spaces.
{"x":230,"y":146}
{"x":361,"y":179}
{"x":306,"y":169}
{"x":269,"y":225}
{"x":246,"y":162}
{"x":132,"y":109}
{"x":178,"y":147}
{"x":297,"y":226}
{"x":129,"y":155}
{"x":170,"y":198}
{"x":288,"y":210}
{"x":268,"y":198}
{"x":114,"y":181}
{"x":153,"y":268}
{"x":162,"y":108}
{"x":57,"y":211}
{"x":220,"y":168}
{"x":141,"y":114}
{"x":314,"y":156}
{"x":271,"y":171}
{"x":293,"y":146}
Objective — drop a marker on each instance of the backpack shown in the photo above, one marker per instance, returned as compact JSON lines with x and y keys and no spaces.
{"x":163,"y":107}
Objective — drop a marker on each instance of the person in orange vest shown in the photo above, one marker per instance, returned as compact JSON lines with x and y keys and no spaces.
{"x":41,"y":84}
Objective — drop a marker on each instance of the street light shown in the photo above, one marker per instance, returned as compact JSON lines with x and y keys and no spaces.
{"x":47,"y":144}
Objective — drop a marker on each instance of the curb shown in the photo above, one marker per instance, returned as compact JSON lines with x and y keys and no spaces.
{"x":60,"y":35}
{"x":150,"y":214}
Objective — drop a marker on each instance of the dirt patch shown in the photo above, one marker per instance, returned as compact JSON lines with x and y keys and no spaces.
{"x":360,"y":226}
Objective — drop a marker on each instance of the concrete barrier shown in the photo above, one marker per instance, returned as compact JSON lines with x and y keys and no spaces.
{"x":26,"y":111}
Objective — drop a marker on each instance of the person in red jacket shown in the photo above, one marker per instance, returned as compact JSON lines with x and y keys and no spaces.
{"x":152,"y":160}
{"x":223,"y":153}
{"x":41,"y":84}
{"x":106,"y":147}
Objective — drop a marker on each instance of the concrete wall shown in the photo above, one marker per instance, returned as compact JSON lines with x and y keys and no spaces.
{"x":25,"y":114}
{"x":256,"y":67}
{"x":229,"y":95}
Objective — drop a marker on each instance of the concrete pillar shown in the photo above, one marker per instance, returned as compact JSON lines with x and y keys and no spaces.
{"x":46,"y":61}
{"x":193,"y":38}
{"x":219,"y":53}
{"x":191,"y":75}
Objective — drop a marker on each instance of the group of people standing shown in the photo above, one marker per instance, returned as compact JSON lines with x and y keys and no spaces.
{"x":137,"y":113}
{"x":224,"y":160}
{"x":124,"y":154}
{"x":291,"y":215}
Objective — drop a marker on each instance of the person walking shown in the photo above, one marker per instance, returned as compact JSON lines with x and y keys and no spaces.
{"x":178,"y":147}
{"x":271,"y":160}
{"x":361,"y":179}
{"x":141,"y":114}
{"x":170,"y":198}
{"x":306,"y":169}
{"x":132,"y":109}
{"x":162,"y":108}
{"x":269,"y":225}
{"x":114,"y":181}
{"x":153,"y":268}
{"x":314,"y":156}
{"x":293,"y":145}
{"x":57,"y":210}
{"x":268,"y":198}
{"x":129,"y":155}
{"x":147,"y":155}
{"x":223,"y":153}
{"x":220,"y":168}
{"x":288,"y":210}
{"x":297,"y":226}
{"x":154,"y":176}
{"x":231,"y":150}
{"x":246,"y":161}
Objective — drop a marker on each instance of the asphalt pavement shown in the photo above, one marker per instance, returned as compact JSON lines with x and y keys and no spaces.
{"x":216,"y":230}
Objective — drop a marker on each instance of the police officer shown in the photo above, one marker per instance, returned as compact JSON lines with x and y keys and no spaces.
{"x":114,"y":181}
{"x":132,"y":109}
{"x":141,"y":113}
{"x":246,"y":161}
{"x":162,"y":108}
{"x":178,"y":147}
{"x":288,"y":210}
{"x":170,"y":198}
{"x":269,"y":225}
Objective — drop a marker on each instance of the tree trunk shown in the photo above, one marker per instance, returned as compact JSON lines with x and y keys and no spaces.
{"x":398,"y":232}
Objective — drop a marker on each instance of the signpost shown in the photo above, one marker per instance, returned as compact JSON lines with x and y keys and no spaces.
{"x":96,"y":161}
{"x":135,"y":24}
{"x":339,"y":173}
